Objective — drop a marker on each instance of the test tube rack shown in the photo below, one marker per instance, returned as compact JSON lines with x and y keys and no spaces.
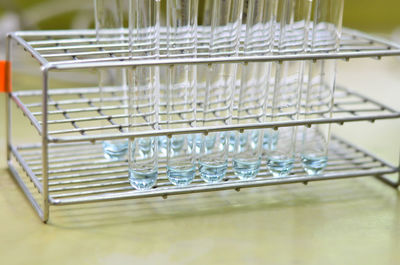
{"x":67,"y":165}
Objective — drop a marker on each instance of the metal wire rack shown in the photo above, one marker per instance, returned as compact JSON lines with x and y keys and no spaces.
{"x":85,"y":176}
{"x":75,"y":49}
{"x":67,"y":167}
{"x":78,"y":115}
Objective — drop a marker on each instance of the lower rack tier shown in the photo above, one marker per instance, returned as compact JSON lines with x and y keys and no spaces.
{"x":78,"y":173}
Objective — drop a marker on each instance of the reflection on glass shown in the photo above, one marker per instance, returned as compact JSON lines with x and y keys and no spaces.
{"x":181,"y":89}
{"x":293,"y":19}
{"x":144,"y":92}
{"x":223,"y":17}
{"x":319,"y":84}
{"x":109,"y":17}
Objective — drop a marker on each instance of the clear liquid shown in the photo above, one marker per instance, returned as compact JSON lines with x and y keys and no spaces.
{"x":142,"y":180}
{"x":181,"y":176}
{"x":212,"y":173}
{"x":177,"y":143}
{"x":242,"y":140}
{"x":115,"y":150}
{"x":162,"y":145}
{"x":146,"y":146}
{"x":246,"y":170}
{"x":232,"y":140}
{"x":197,"y":144}
{"x":269,"y":141}
{"x":313,"y":164}
{"x":209,"y":144}
{"x":280,"y":167}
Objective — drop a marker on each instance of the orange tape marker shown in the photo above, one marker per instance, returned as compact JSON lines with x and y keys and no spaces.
{"x":5,"y":76}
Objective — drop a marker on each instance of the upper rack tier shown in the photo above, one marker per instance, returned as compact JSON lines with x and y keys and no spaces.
{"x":75,"y":49}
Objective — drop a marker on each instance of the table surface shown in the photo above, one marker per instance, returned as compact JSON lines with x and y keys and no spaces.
{"x":354,"y":221}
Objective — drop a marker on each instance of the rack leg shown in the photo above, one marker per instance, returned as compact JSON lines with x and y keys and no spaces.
{"x":8,"y":106}
{"x":8,"y":121}
{"x":398,"y":173}
{"x":391,"y":183}
{"x":25,"y":189}
{"x":45,"y":157}
{"x":45,"y":183}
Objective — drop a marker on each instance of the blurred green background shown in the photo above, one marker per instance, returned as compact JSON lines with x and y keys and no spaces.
{"x":368,"y":15}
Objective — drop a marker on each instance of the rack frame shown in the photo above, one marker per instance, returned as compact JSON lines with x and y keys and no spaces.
{"x":371,"y":47}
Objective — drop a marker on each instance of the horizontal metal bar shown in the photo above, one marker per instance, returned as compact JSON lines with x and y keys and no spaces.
{"x":71,"y":157}
{"x":82,"y":161}
{"x":71,"y":150}
{"x":27,"y":113}
{"x":367,"y":153}
{"x":363,"y":35}
{"x":354,"y":45}
{"x":106,"y":117}
{"x":101,"y":63}
{"x":202,"y":41}
{"x":35,"y":165}
{"x":61,"y":51}
{"x":125,"y":31}
{"x":91,"y":192}
{"x":121,"y":51}
{"x":27,"y":169}
{"x":382,"y":112}
{"x":67,"y":179}
{"x":67,"y":91}
{"x":33,"y":155}
{"x":25,"y":190}
{"x":352,"y":158}
{"x":338,"y":109}
{"x":105,"y":164}
{"x":253,"y":116}
{"x":163,"y":181}
{"x":98,"y":191}
{"x":76,"y":101}
{"x":88,"y":167}
{"x":113,"y":180}
{"x":88,"y":109}
{"x":74,"y":32}
{"x":28,"y":48}
{"x":373,"y":101}
{"x":263,"y":173}
{"x":345,"y":161}
{"x":88,"y":174}
{"x":91,"y":186}
{"x":210,"y":129}
{"x":215,"y":187}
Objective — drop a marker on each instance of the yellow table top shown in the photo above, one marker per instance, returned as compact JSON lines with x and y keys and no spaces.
{"x":354,"y":221}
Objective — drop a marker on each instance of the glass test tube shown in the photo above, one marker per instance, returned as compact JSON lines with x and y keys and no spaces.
{"x":254,"y":87}
{"x":109,"y":23}
{"x":203,"y":38}
{"x":224,"y":23}
{"x":181,"y":89}
{"x":319,"y":80}
{"x":293,"y":19}
{"x":144,"y":86}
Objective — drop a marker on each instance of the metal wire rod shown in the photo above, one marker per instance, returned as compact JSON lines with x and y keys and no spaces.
{"x":354,"y":45}
{"x":109,"y":180}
